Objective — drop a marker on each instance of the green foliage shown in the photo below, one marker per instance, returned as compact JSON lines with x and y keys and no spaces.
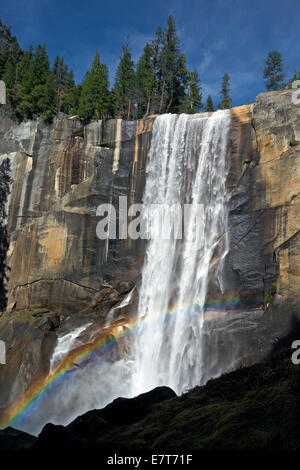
{"x":193,"y":97}
{"x":252,"y":408}
{"x":268,"y":299}
{"x":172,"y":72}
{"x":273,"y":71}
{"x":296,"y":76}
{"x":124,"y":86}
{"x":29,"y":82}
{"x":4,"y":192}
{"x":145,"y":80}
{"x":159,"y":83}
{"x":64,"y":85}
{"x":5,"y":32}
{"x":209,"y":104}
{"x":274,"y":288}
{"x":225,"y":90}
{"x":94,"y":101}
{"x":271,"y":294}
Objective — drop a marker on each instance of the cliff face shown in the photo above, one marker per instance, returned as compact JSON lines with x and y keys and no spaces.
{"x":61,"y":173}
{"x":60,"y":270}
{"x":264,"y":218}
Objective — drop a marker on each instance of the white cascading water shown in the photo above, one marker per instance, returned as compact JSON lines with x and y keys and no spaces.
{"x":65,"y":344}
{"x":187,"y":164}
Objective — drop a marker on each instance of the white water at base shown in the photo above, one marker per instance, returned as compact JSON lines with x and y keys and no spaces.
{"x":187,"y":164}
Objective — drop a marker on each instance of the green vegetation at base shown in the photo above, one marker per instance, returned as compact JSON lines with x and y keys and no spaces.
{"x":255,"y":408}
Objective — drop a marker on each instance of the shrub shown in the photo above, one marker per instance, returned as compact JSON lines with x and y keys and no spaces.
{"x":274,"y":288}
{"x":268,"y":299}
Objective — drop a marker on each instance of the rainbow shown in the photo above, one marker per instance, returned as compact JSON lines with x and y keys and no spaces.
{"x":86,"y":352}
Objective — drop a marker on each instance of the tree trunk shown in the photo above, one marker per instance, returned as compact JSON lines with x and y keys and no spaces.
{"x":169,"y":105}
{"x":148,"y":105}
{"x":129,"y":105}
{"x":162,"y":97}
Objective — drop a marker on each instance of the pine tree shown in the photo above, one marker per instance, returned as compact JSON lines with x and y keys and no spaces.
{"x":10,"y":74}
{"x":23,"y":105}
{"x":59,"y":70}
{"x":194,"y":95}
{"x":209,"y":104}
{"x":173,"y":73}
{"x":68,"y":98}
{"x":156,"y":46}
{"x":4,"y":192}
{"x":41,"y":66}
{"x":273,"y":71}
{"x":124,"y":87}
{"x":93,"y":102}
{"x":226,"y":101}
{"x":145,"y":81}
{"x":64,"y":84}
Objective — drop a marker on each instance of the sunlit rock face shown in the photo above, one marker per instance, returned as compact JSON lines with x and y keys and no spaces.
{"x":265,"y":208}
{"x":63,"y":277}
{"x":61,"y":173}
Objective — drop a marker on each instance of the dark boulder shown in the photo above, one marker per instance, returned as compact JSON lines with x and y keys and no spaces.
{"x":125,"y":286}
{"x":89,"y":426}
{"x":12,"y":439}
{"x":56,"y":437}
{"x":54,"y":321}
{"x":130,"y":410}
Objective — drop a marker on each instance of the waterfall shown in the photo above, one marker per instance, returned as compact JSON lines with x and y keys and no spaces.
{"x":65,"y":344}
{"x":187,"y":164}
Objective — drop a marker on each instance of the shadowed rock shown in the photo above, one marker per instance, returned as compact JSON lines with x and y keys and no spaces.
{"x":131,"y":410}
{"x":12,"y":439}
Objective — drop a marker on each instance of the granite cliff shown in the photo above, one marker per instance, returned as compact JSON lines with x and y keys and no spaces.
{"x":61,"y":272}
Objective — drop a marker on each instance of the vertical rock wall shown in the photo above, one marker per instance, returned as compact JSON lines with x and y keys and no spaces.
{"x":61,"y":173}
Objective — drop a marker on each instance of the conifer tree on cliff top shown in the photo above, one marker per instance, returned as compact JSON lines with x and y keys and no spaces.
{"x":226,"y":101}
{"x":124,"y":87}
{"x":145,"y":80}
{"x":209,"y":104}
{"x":4,"y":191}
{"x":94,"y":98}
{"x":273,"y":71}
{"x":173,"y":74}
{"x":193,"y":99}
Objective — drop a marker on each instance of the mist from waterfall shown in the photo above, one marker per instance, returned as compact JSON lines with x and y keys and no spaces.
{"x":187,"y":164}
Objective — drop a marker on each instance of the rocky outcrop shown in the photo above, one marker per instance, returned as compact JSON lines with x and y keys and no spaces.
{"x":264,"y":217}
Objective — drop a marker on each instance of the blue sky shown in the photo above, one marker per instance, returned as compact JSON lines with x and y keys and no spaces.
{"x":217,"y":36}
